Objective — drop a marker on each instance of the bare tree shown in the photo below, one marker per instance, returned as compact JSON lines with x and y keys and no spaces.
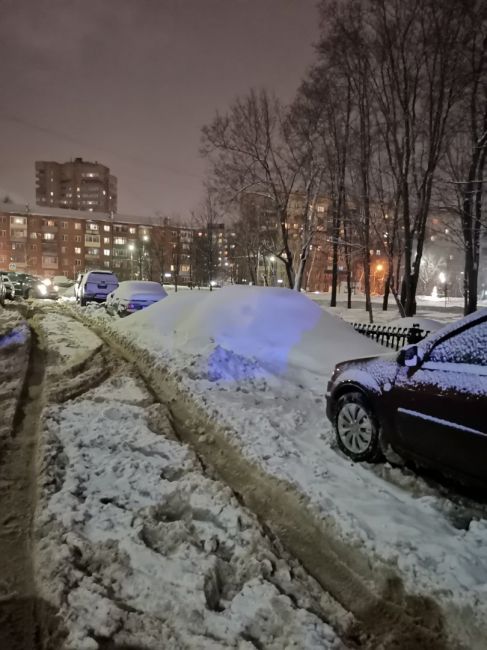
{"x":252,"y":150}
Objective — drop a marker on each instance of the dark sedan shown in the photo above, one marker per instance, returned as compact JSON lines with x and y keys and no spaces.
{"x":428,"y":403}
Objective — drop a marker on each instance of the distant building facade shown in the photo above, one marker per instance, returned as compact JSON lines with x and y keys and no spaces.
{"x":75,"y":185}
{"x":46,"y":241}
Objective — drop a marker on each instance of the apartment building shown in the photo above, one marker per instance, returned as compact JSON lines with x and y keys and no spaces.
{"x":52,"y":241}
{"x":76,"y":185}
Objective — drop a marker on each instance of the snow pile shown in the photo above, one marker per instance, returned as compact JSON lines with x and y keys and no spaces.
{"x":279,"y":329}
{"x":14,"y":356}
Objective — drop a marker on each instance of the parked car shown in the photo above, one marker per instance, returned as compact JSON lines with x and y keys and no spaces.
{"x":9,"y":287}
{"x":427,"y":402}
{"x":62,"y":282}
{"x":3,"y":292}
{"x":131,"y":296}
{"x":96,"y":285}
{"x":22,"y":283}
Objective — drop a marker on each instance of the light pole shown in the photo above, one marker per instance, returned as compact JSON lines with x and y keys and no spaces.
{"x":131,"y":248}
{"x":272,"y":260}
{"x":145,"y":239}
{"x":442,"y":279}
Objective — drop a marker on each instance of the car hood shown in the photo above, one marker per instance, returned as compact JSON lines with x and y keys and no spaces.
{"x":373,"y":372}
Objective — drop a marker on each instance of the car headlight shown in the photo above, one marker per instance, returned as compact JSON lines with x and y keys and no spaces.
{"x":42,"y":289}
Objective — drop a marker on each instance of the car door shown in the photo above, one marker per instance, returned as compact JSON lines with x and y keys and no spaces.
{"x":440,"y":407}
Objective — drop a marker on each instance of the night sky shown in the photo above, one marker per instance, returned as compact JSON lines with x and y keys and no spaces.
{"x":130,"y":83}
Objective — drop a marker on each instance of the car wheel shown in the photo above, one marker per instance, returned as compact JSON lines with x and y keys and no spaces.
{"x":82,"y":302}
{"x":356,"y":427}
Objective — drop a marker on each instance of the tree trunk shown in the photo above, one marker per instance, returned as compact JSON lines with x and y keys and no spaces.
{"x":303,"y":258}
{"x":349,"y":288}
{"x":387,"y":287}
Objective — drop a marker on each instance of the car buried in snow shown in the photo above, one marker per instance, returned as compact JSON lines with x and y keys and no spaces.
{"x":427,"y":403}
{"x":131,"y":296}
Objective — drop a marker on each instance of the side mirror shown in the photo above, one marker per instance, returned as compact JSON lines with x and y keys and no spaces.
{"x":409,"y":357}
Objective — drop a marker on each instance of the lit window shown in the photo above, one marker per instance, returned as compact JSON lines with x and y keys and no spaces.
{"x":132,"y":231}
{"x":106,"y":228}
{"x":93,"y":226}
{"x":52,"y":193}
{"x":77,"y":226}
{"x":77,"y":251}
{"x":49,"y":236}
{"x":377,"y":252}
{"x":106,"y":252}
{"x":120,"y":241}
{"x":106,"y":240}
{"x":320,"y":208}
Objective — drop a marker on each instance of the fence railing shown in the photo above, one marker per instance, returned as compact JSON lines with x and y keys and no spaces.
{"x":392,"y":337}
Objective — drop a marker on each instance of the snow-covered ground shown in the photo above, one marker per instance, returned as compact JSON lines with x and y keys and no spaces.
{"x":135,"y":544}
{"x":258,"y":361}
{"x":14,"y":355}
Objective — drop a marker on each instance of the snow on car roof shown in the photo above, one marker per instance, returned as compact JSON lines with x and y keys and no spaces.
{"x":129,"y":288}
{"x":279,"y":328}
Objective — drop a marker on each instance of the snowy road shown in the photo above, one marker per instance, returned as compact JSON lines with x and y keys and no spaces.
{"x":136,"y":545}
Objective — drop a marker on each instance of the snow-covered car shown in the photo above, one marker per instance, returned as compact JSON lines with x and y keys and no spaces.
{"x":132,"y":296}
{"x":9,"y":287}
{"x":62,"y":282}
{"x":427,"y":403}
{"x":96,"y":286}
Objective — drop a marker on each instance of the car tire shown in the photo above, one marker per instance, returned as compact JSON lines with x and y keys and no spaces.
{"x":82,"y":302}
{"x":357,"y":429}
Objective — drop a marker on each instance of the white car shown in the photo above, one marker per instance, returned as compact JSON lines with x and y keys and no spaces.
{"x":131,"y":296}
{"x":95,"y":286}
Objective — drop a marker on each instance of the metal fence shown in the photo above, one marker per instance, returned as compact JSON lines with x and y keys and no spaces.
{"x":392,"y":337}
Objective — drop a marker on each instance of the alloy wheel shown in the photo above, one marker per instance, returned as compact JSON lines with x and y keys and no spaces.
{"x":355,"y":427}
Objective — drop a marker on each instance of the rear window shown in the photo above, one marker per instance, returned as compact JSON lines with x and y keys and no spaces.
{"x":101,"y":277}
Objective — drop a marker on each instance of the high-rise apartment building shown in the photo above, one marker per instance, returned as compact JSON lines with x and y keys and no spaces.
{"x":76,"y":185}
